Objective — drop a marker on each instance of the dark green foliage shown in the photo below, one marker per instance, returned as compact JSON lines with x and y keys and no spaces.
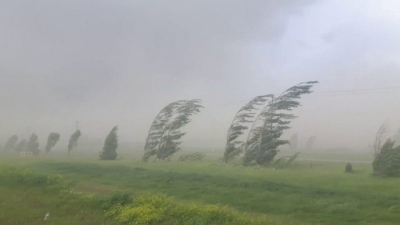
{"x":169,"y":143}
{"x":263,"y":139}
{"x":387,"y":161}
{"x":239,"y":124}
{"x":20,"y":146}
{"x":196,"y":156}
{"x":158,"y":128}
{"x":73,"y":141}
{"x":110,"y":145}
{"x":33,"y":145}
{"x":10,"y":144}
{"x":164,"y":134}
{"x":349,"y":168}
{"x":310,"y":142}
{"x":52,"y":140}
{"x":119,"y":198}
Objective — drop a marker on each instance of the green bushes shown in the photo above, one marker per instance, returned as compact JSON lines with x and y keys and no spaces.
{"x":387,"y":161}
{"x":148,"y":209}
{"x":12,"y":177}
{"x":348,"y":168}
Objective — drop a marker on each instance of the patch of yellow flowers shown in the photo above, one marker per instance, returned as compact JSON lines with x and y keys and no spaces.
{"x":148,"y":209}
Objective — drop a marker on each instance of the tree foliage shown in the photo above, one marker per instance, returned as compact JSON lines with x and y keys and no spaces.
{"x":20,"y":146}
{"x":158,"y":128}
{"x":165,"y":132}
{"x":110,"y":145}
{"x":10,"y":144}
{"x":263,"y":139}
{"x":52,"y":140}
{"x":387,"y":161}
{"x":33,"y":145}
{"x":240,"y":122}
{"x":73,"y":141}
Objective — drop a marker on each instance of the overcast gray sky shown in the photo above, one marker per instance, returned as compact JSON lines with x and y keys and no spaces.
{"x":119,"y":62}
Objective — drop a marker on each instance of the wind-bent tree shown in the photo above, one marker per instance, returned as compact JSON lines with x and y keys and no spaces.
{"x":10,"y":144}
{"x":110,"y":146}
{"x":380,"y":138}
{"x":73,"y":141}
{"x":20,"y":146}
{"x":293,"y":141}
{"x":239,"y":125}
{"x":310,"y":142}
{"x":158,"y":127}
{"x":33,"y":145}
{"x":164,"y":134}
{"x":52,"y":140}
{"x":263,"y":139}
{"x":387,"y":160}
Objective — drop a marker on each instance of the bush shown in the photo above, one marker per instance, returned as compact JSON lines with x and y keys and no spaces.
{"x":116,"y":199}
{"x":387,"y":161}
{"x":12,"y":177}
{"x":148,"y":209}
{"x":349,"y":168}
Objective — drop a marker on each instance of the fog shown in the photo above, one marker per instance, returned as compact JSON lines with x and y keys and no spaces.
{"x":107,"y":63}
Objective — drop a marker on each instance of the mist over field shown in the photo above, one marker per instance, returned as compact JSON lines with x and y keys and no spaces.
{"x":107,"y":63}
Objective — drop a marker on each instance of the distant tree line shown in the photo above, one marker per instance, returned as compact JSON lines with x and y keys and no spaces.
{"x":267,"y":116}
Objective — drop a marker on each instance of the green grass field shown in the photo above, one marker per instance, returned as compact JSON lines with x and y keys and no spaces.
{"x":311,"y":193}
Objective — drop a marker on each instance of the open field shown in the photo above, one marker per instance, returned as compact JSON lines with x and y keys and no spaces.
{"x":311,"y":193}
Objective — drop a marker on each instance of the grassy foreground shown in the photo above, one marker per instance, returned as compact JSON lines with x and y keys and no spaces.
{"x":318,"y":193}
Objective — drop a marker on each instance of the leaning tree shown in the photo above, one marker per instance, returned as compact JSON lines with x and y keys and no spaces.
{"x":52,"y":140}
{"x":73,"y":141}
{"x":20,"y":146}
{"x":263,"y":138}
{"x":164,"y":135}
{"x":110,"y":145}
{"x":239,"y":125}
{"x":33,"y":145}
{"x":10,"y":144}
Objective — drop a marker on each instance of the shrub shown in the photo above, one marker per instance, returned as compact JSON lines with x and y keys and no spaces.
{"x":387,"y":161}
{"x":148,"y":209}
{"x":349,"y":168}
{"x":10,"y":176}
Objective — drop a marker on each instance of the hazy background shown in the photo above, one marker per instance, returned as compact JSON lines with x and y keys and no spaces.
{"x":119,"y":62}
